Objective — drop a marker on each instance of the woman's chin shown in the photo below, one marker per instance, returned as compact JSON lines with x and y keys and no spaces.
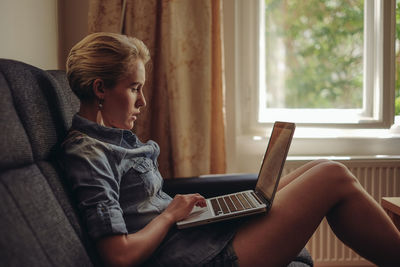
{"x":127,"y":125}
{"x":130,"y":125}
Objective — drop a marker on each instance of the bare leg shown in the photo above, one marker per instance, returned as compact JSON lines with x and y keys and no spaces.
{"x":364,"y":226}
{"x":285,"y":180}
{"x":326,"y":189}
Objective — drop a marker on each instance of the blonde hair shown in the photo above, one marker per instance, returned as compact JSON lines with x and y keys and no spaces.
{"x":105,"y":56}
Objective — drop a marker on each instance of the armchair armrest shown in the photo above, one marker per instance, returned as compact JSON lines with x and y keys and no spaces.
{"x":211,"y":185}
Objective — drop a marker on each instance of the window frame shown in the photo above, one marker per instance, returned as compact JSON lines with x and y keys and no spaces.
{"x":378,"y":104}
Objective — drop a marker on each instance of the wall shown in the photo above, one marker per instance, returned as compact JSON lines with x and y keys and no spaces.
{"x":41,"y":32}
{"x":29,"y":32}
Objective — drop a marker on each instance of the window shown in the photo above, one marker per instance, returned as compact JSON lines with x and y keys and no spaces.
{"x":330,"y":126}
{"x":321,"y":63}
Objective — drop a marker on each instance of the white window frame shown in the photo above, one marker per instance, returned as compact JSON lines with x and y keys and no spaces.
{"x":246,"y":138}
{"x":378,"y":104}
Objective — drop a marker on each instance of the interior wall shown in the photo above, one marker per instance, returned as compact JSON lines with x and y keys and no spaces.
{"x":29,"y":32}
{"x":41,"y":32}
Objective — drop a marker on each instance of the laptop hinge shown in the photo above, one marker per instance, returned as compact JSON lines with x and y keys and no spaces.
{"x":262,"y":198}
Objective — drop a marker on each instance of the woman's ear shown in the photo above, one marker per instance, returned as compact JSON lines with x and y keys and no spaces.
{"x":98,"y":88}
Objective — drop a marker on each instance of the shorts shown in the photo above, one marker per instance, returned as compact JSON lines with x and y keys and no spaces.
{"x":226,"y":258}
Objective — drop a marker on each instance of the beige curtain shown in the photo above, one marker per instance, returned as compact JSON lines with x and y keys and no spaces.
{"x":185,"y":83}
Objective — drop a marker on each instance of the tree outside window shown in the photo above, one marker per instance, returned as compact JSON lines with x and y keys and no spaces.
{"x":314,"y":54}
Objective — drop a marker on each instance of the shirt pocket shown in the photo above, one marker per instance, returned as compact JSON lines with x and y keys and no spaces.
{"x":142,"y":165}
{"x":141,"y":179}
{"x":132,"y":188}
{"x":147,"y":171}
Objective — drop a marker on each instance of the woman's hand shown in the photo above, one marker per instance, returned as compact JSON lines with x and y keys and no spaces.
{"x":182,"y":205}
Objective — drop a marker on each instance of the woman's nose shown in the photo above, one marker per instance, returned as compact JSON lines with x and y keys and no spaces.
{"x":141,"y":101}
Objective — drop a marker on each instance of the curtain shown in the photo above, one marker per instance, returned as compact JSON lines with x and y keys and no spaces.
{"x":184,"y":81}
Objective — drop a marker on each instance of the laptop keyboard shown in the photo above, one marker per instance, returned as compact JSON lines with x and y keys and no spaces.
{"x":231,"y":203}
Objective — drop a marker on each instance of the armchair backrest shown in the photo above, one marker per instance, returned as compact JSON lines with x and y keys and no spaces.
{"x":39,"y":225}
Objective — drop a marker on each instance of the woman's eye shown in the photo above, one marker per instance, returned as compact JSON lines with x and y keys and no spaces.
{"x":136,"y":88}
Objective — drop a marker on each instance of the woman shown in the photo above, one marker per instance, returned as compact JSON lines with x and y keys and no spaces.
{"x":118,"y":187}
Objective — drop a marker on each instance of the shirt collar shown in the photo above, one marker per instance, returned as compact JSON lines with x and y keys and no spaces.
{"x":113,"y":136}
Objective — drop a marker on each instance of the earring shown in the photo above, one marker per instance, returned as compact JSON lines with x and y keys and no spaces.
{"x":101,"y":104}
{"x":99,"y":117}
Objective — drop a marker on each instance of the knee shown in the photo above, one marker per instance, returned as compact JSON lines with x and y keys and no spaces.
{"x":320,"y":161}
{"x":338,"y":173}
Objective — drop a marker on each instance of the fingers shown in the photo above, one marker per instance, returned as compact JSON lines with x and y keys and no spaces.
{"x":199,"y":200}
{"x":182,"y":205}
{"x":193,"y":199}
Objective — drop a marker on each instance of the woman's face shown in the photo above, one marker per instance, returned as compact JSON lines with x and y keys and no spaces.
{"x":122,"y":103}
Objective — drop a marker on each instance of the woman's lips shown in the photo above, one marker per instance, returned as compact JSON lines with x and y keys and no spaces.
{"x":134,"y":116}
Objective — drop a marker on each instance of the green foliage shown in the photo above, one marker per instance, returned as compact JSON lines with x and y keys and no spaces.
{"x":323,"y":41}
{"x":397,"y":105}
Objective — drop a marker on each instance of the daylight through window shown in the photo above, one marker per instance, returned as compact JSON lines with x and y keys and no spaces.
{"x":319,"y":61}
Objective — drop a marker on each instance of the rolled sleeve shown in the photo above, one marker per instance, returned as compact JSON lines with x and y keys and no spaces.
{"x":103,"y":220}
{"x":96,"y":188}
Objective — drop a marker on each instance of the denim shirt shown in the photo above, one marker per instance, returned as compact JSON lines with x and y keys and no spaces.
{"x":116,"y":182}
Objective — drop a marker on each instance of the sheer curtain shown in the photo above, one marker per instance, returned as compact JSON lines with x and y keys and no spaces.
{"x":185,"y":81}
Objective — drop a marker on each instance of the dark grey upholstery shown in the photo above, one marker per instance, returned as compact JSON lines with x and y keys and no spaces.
{"x":39,"y":225}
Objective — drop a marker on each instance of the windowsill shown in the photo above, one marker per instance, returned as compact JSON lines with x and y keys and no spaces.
{"x":315,"y":133}
{"x":345,"y":145}
{"x":329,"y":133}
{"x":345,"y":158}
{"x":313,"y":143}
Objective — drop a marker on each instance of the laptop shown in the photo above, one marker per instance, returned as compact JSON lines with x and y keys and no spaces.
{"x":249,"y":202}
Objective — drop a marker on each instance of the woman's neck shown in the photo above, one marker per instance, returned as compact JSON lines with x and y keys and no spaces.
{"x":88,"y":111}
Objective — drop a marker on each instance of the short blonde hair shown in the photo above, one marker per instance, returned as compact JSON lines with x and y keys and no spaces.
{"x":105,"y":56}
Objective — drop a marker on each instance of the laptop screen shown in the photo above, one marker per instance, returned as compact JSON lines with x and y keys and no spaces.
{"x":274,"y":158}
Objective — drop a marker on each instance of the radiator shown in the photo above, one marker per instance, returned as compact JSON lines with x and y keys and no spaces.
{"x":380,"y":177}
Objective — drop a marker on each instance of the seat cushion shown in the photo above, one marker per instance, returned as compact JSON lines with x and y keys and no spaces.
{"x":34,"y":228}
{"x":303,"y":259}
